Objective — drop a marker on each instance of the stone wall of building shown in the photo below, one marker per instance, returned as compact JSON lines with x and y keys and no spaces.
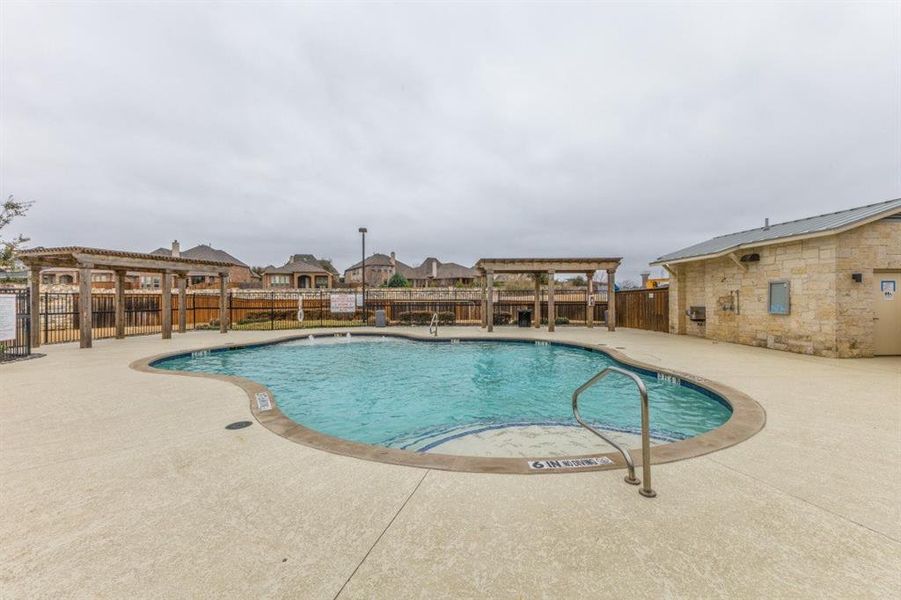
{"x":831,"y":315}
{"x":864,"y":250}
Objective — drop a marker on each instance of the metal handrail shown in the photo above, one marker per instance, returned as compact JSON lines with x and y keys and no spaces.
{"x":433,"y":325}
{"x":645,"y":490}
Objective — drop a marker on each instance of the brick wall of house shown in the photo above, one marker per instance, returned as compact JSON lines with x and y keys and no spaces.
{"x":831,"y":315}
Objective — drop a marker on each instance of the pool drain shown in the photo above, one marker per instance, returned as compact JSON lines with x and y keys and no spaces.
{"x":238,"y":425}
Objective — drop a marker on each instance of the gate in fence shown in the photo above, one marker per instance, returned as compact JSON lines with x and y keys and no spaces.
{"x":15,"y":324}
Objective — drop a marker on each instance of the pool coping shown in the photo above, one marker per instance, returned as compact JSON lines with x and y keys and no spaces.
{"x":748,"y":416}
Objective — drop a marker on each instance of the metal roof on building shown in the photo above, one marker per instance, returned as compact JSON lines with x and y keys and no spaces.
{"x":818,"y":225}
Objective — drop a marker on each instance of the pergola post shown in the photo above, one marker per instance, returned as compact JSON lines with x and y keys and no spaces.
{"x":120,"y":304}
{"x":223,"y":302}
{"x":166,"y":304}
{"x":551,"y":315}
{"x":35,"y":309}
{"x":490,"y":315}
{"x":611,"y":300}
{"x":182,"y":303}
{"x":536,"y":312}
{"x":483,"y":302}
{"x":589,"y":301}
{"x":86,"y":313}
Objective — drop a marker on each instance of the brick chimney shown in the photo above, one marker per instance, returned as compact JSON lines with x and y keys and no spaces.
{"x":644,"y":278}
{"x":434,"y":268}
{"x":176,"y":249}
{"x":393,"y":259}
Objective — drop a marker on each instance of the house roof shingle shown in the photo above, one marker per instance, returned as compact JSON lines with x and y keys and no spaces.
{"x":203,"y":252}
{"x":379,"y":260}
{"x":444,"y":270}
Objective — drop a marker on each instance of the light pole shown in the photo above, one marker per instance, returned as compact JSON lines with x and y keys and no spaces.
{"x":362,"y":231}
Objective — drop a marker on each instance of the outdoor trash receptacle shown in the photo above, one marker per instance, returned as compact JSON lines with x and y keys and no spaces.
{"x":380,"y":318}
{"x":524,"y":318}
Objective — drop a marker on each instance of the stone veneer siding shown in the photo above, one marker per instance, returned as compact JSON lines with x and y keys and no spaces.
{"x":831,"y":315}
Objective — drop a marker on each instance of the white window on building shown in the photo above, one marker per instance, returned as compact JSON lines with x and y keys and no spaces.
{"x":101,"y":277}
{"x":280,"y":280}
{"x":779,"y":300}
{"x":149,"y":282}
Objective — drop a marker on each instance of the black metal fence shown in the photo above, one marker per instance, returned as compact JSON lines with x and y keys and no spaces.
{"x":59,"y":318}
{"x":20,"y":345}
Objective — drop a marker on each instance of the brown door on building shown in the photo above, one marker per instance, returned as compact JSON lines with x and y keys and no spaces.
{"x":887,"y":312}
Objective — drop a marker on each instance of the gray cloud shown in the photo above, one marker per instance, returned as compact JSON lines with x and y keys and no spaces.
{"x":453,"y":130}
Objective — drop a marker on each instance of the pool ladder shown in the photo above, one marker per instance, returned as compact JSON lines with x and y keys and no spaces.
{"x":433,"y":325}
{"x":645,"y":490}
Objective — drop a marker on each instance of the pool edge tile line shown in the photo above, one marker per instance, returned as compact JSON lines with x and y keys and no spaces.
{"x":748,"y":416}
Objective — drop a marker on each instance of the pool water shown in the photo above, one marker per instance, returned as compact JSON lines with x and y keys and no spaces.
{"x":416,"y":395}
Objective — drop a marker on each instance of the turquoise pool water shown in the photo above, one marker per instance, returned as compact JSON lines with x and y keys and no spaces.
{"x":411,"y":394}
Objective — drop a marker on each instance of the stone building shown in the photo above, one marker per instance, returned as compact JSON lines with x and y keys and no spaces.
{"x":825,"y":285}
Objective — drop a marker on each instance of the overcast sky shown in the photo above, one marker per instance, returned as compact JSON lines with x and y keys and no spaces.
{"x":459,"y":130}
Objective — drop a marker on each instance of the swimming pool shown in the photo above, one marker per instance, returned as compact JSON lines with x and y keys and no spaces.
{"x":424,"y":396}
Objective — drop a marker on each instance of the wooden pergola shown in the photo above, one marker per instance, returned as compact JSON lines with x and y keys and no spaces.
{"x":89,"y":259}
{"x":487,"y":267}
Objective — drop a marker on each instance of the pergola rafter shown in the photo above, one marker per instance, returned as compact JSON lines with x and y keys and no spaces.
{"x":488,"y":267}
{"x":89,"y":259}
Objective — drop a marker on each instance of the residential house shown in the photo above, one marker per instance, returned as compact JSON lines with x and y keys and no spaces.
{"x":379,"y":269}
{"x":301,"y":271}
{"x":434,"y":273}
{"x":239,"y":273}
{"x":825,"y":285}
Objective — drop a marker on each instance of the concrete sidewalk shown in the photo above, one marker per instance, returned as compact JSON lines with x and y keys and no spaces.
{"x":115,"y":483}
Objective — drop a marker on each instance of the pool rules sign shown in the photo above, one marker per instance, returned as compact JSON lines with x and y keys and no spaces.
{"x":7,"y":317}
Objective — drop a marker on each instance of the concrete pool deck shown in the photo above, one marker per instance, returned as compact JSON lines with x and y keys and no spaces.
{"x":116,"y":483}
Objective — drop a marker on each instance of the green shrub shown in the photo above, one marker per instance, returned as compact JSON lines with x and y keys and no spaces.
{"x":398,"y":281}
{"x":558,"y":321}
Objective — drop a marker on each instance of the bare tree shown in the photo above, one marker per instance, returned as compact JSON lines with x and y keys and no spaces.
{"x":11,"y":209}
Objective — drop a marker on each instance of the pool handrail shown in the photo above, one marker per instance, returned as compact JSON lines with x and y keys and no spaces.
{"x":433,"y":325}
{"x":645,"y":490}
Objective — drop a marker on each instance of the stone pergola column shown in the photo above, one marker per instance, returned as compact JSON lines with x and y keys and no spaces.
{"x":182,"y":303}
{"x":536,"y":312}
{"x":223,"y":302}
{"x":120,"y":305}
{"x":589,"y":305}
{"x":490,"y":289}
{"x":551,"y":314}
{"x":611,"y":299}
{"x":166,"y":304}
{"x":34,"y":282}
{"x":85,"y":309}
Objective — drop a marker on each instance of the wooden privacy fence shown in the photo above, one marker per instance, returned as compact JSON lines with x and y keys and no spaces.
{"x":59,"y":317}
{"x":643,"y":309}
